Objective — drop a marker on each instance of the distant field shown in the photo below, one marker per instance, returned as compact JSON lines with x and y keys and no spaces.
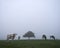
{"x":30,"y":44}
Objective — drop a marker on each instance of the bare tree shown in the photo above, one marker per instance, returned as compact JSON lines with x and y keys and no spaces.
{"x":53,"y":37}
{"x":44,"y":37}
{"x":29,"y":34}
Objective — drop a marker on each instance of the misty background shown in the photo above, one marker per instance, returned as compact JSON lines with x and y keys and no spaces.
{"x":38,"y":16}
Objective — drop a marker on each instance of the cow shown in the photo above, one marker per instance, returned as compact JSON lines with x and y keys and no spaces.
{"x":11,"y":36}
{"x":53,"y":37}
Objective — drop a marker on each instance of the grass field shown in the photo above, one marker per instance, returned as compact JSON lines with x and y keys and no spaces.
{"x":30,"y":44}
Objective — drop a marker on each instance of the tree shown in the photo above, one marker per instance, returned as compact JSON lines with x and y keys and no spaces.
{"x":44,"y":37}
{"x":53,"y":37}
{"x":29,"y":34}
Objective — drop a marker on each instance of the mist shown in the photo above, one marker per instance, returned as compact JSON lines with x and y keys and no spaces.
{"x":39,"y":16}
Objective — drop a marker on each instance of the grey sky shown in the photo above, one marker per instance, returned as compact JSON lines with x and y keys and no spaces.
{"x":39,"y":16}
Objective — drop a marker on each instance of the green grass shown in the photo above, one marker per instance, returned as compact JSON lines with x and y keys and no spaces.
{"x":30,"y":44}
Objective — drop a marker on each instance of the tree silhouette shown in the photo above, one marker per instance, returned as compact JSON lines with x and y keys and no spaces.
{"x":53,"y":37}
{"x":29,"y":34}
{"x":44,"y":37}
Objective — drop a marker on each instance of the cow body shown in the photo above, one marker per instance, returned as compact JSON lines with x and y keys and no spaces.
{"x":11,"y":36}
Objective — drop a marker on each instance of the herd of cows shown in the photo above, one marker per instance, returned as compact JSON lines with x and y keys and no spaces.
{"x":12,"y":37}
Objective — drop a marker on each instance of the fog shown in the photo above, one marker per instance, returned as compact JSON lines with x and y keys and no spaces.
{"x":39,"y":16}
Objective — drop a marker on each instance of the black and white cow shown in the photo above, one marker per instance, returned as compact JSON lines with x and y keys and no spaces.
{"x":11,"y":36}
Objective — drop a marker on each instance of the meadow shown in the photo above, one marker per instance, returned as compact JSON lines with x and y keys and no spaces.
{"x":30,"y":44}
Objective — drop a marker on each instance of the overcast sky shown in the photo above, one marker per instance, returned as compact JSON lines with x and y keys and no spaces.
{"x":39,"y":16}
